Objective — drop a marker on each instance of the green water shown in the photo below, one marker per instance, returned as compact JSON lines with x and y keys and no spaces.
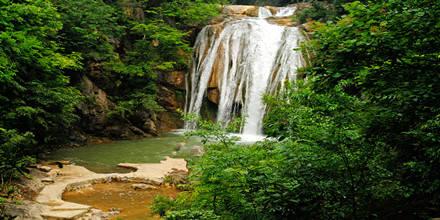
{"x":103,"y":158}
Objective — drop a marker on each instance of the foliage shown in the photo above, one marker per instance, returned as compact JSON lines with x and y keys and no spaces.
{"x":319,"y":11}
{"x":89,"y":27}
{"x":161,"y":204}
{"x":14,"y":148}
{"x":127,"y":107}
{"x":191,"y":13}
{"x":336,"y":3}
{"x":46,"y":43}
{"x":211,"y":133}
{"x":354,"y":172}
{"x":34,"y":92}
{"x":127,"y":44}
{"x":387,"y":54}
{"x":191,"y":214}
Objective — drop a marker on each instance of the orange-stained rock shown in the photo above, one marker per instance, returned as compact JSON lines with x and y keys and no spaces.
{"x":237,"y":10}
{"x":214,"y":95}
{"x":284,"y":21}
{"x":272,"y":9}
{"x":217,"y":70}
{"x":175,"y":79}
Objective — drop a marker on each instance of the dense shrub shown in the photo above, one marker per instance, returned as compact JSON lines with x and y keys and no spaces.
{"x":318,"y":11}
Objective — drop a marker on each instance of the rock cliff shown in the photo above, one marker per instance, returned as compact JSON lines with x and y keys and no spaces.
{"x":96,"y":125}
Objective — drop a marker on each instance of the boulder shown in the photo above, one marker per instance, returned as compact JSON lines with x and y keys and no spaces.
{"x":177,"y":177}
{"x":44,"y":168}
{"x":150,"y":127}
{"x":142,"y":186}
{"x":179,"y":146}
{"x":26,"y":211}
{"x":197,"y":150}
{"x":168,"y":121}
{"x":53,"y":173}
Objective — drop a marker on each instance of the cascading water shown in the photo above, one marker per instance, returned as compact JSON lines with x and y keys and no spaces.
{"x":264,"y":12}
{"x":243,"y":59}
{"x":285,"y":11}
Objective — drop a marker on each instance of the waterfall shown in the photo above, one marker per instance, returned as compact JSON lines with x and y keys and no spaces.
{"x":243,"y":59}
{"x":285,"y":11}
{"x":264,"y":12}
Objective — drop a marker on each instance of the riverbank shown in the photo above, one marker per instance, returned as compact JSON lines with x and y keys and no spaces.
{"x":48,"y":203}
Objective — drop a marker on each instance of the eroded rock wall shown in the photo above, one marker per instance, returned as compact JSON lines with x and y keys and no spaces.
{"x":96,"y":125}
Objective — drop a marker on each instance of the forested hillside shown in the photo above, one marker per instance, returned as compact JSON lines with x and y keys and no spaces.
{"x":74,"y":70}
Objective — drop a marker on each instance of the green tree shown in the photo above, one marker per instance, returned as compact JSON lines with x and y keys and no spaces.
{"x":90,"y":28}
{"x":387,"y":54}
{"x":34,"y":92}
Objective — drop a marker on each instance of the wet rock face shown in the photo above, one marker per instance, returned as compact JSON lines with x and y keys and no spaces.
{"x":173,"y":101}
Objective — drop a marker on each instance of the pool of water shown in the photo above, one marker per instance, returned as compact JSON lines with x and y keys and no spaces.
{"x":103,"y":158}
{"x":134,"y":205}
